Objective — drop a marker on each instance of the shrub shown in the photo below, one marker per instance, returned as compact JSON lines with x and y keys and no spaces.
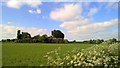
{"x":98,"y":55}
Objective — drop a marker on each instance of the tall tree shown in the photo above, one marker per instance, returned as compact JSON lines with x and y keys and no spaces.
{"x":19,"y":36}
{"x":57,"y":34}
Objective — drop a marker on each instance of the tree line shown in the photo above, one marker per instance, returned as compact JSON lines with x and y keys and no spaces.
{"x":96,"y":41}
{"x":56,"y":37}
{"x":24,"y":37}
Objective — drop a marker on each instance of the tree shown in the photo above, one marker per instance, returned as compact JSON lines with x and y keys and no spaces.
{"x":8,"y":40}
{"x":50,"y":39}
{"x":90,"y":41}
{"x":19,"y":36}
{"x":113,"y":40}
{"x":57,"y":34}
{"x":74,"y":41}
{"x":13,"y":40}
{"x":44,"y":38}
{"x":98,"y":41}
{"x":3,"y":40}
{"x":25,"y":35}
{"x":36,"y":38}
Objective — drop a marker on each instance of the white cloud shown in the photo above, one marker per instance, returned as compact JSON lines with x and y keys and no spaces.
{"x":72,"y":24}
{"x":33,"y":3}
{"x":105,"y":36}
{"x":8,"y":28}
{"x":37,"y":11}
{"x":19,"y":3}
{"x":9,"y":31}
{"x":94,"y":27}
{"x":92,"y":12}
{"x":67,"y":12}
{"x":6,"y":35}
{"x":14,"y":4}
{"x":96,"y":30}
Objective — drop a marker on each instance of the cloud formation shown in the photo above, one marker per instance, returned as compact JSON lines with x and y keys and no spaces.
{"x":67,"y":12}
{"x":71,"y":17}
{"x":78,"y":26}
{"x":19,"y":3}
{"x":94,"y":27}
{"x":72,"y":24}
{"x":81,"y":37}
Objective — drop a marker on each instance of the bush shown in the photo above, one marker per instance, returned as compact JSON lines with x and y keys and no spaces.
{"x":98,"y":55}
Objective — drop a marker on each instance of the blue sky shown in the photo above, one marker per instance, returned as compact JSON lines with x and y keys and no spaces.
{"x":77,"y":20}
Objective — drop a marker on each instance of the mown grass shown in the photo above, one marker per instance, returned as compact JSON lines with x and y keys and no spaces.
{"x":31,"y":54}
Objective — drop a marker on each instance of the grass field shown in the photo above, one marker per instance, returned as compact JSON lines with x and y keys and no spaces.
{"x":31,"y":54}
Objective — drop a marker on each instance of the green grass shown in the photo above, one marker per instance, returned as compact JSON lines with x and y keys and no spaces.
{"x":31,"y":54}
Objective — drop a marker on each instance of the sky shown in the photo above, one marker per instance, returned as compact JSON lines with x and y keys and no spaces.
{"x":77,"y":20}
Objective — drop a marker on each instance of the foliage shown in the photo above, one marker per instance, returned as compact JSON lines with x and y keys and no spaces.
{"x":44,"y":38}
{"x":57,"y":34}
{"x":19,"y":36}
{"x":8,"y":40}
{"x":98,"y":55}
{"x":25,"y":37}
{"x":110,"y":41}
{"x":98,"y":41}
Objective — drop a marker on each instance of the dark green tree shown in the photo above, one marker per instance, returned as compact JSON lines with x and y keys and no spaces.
{"x":25,"y":35}
{"x":50,"y":39}
{"x":74,"y":41}
{"x":98,"y":41}
{"x":36,"y":38}
{"x":19,"y":36}
{"x":113,"y":40}
{"x":8,"y":40}
{"x":57,"y":34}
{"x":44,"y":38}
